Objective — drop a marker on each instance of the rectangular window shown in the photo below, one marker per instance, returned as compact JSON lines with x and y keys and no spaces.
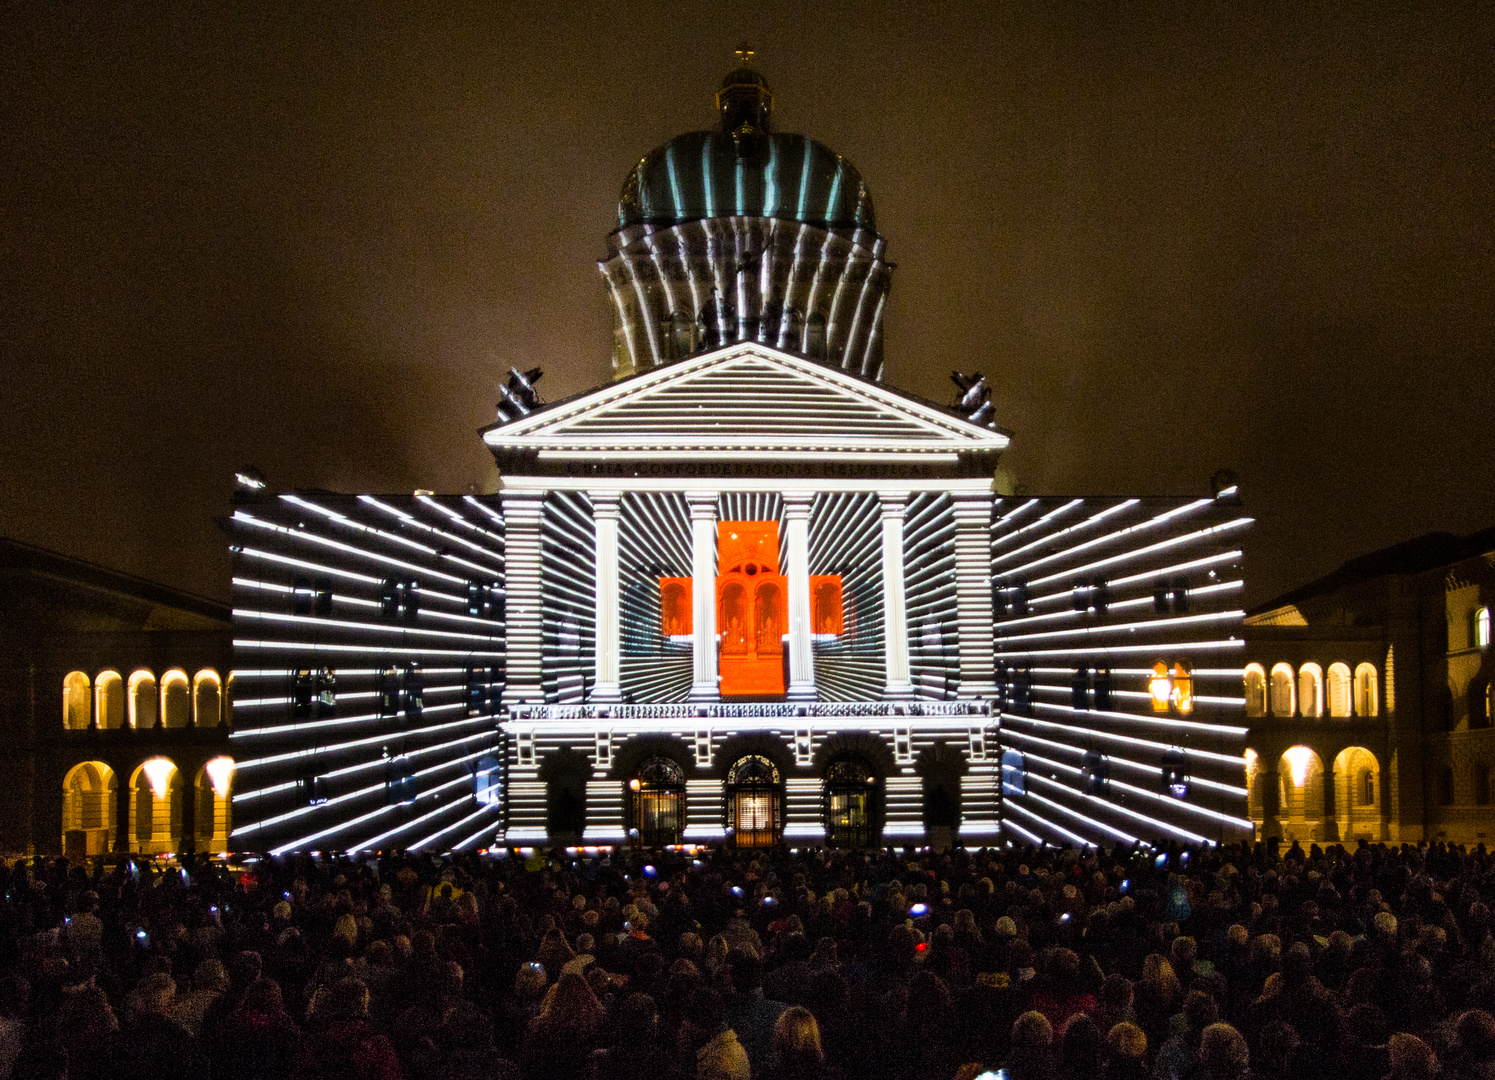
{"x":1080,"y":688}
{"x":301,"y":597}
{"x":326,"y":693}
{"x":323,"y":597}
{"x":414,"y":692}
{"x":387,"y":692}
{"x":303,"y":689}
{"x":477,"y":691}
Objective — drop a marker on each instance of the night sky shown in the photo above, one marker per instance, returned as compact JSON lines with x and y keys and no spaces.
{"x":1176,"y":238}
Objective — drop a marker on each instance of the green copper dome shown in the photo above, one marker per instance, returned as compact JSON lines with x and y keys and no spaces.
{"x":701,"y":175}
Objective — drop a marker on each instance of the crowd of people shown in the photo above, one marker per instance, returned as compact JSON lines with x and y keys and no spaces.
{"x":722,"y":964}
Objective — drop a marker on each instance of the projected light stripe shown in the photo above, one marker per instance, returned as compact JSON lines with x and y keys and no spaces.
{"x":929,"y":582}
{"x":407,"y":626}
{"x":1088,"y":595}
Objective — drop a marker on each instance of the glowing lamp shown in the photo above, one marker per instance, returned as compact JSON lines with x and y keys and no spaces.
{"x":220,"y":771}
{"x":650,"y":871}
{"x":158,"y":771}
{"x":737,"y":891}
{"x":918,"y":911}
{"x":634,"y":785}
{"x":1298,"y":760}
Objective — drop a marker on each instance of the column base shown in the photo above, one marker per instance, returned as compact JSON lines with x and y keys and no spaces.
{"x":606,"y":695}
{"x":704,"y":694}
{"x":802,"y":692}
{"x":898,"y":691}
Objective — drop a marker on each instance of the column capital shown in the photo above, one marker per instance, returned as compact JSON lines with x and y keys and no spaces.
{"x":702,"y":504}
{"x":894,"y":503}
{"x":971,"y":505}
{"x":797,"y":503}
{"x":605,"y":503}
{"x":522,"y":503}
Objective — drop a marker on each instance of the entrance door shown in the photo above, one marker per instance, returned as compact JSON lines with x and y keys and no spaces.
{"x":850,"y":804}
{"x":658,"y":797}
{"x":754,"y":801}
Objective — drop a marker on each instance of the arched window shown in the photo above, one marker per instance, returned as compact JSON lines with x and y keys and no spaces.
{"x":176,"y":699}
{"x":89,"y":804}
{"x":77,"y":709}
{"x":1256,"y":690}
{"x":1176,"y":778}
{"x":754,"y":801}
{"x":156,"y":807}
{"x":1095,"y":773}
{"x":142,"y":699}
{"x":674,"y":607}
{"x":1367,"y":691}
{"x":1339,"y":689}
{"x":109,"y":700}
{"x":214,"y":799}
{"x":1481,"y":628}
{"x":657,"y":794}
{"x":850,"y":804}
{"x":1160,"y":687}
{"x":1284,"y":700}
{"x":207,"y":699}
{"x":825,"y":592}
{"x":1183,"y":686}
{"x":769,"y":608}
{"x":734,"y":617}
{"x":1014,"y":773}
{"x":1311,"y":690}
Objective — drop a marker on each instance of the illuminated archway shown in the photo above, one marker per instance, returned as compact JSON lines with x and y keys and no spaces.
{"x":77,"y":711}
{"x":1357,"y":793}
{"x":1310,"y":690}
{"x":176,"y":699}
{"x":1300,"y":776}
{"x":156,"y":807}
{"x":1367,"y":691}
{"x":214,"y":791}
{"x":1256,"y":690}
{"x":89,"y":803}
{"x":142,"y":699}
{"x":1255,"y":791}
{"x":1284,"y":695}
{"x":109,"y":700}
{"x":657,"y":802}
{"x":1340,"y":699}
{"x":755,"y":801}
{"x":207,"y":699}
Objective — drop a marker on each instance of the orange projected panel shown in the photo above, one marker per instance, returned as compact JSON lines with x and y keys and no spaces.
{"x":751,"y":608}
{"x":675,"y":606}
{"x":825,"y":604}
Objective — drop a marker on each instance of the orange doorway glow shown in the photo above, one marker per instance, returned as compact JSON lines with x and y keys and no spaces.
{"x":751,"y":604}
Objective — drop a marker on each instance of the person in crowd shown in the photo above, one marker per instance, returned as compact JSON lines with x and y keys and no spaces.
{"x":152,"y":1036}
{"x":797,"y":1052}
{"x":348,"y":1047}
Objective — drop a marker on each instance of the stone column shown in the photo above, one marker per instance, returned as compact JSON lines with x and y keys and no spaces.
{"x":1329,"y":824}
{"x":973,"y":593}
{"x":607,"y":686}
{"x":894,"y":597}
{"x":522,"y":512}
{"x":705,"y":685}
{"x":797,"y":573}
{"x":1271,"y":800}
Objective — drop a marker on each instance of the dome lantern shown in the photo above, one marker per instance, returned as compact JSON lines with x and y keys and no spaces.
{"x":745,"y":104}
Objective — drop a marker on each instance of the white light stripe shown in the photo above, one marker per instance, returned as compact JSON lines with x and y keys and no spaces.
{"x":339,"y":826}
{"x":349,"y":770}
{"x":1224,"y":759}
{"x":417,"y":523}
{"x":303,"y":751}
{"x":1178,"y":568}
{"x":1151,"y":549}
{"x":315,"y":646}
{"x":1155,"y":822}
{"x":360,"y":793}
{"x":1117,"y":605}
{"x":1076,"y":837}
{"x":485,"y":508}
{"x":1034,"y":837}
{"x":1113,"y":650}
{"x":344,"y":598}
{"x":324,"y":541}
{"x":1093,"y":519}
{"x":1151,"y":770}
{"x":302,"y":564}
{"x":427,"y":816}
{"x":1143,"y":718}
{"x":1060,"y":509}
{"x":1130,"y":530}
{"x":485,"y":808}
{"x":1116,"y":628}
{"x":462,"y":843}
{"x":350,"y":624}
{"x":1128,"y":837}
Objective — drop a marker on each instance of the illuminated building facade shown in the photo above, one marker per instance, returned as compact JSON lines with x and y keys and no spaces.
{"x":745,"y":592}
{"x":1368,"y":699}
{"x":114,"y":699}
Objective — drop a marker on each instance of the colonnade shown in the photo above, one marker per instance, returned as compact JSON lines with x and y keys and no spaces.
{"x":523,"y":514}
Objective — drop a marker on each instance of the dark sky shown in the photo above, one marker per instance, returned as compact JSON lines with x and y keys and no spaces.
{"x":1175,"y":237}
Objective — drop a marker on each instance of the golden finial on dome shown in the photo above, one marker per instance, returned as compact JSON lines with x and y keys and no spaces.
{"x":745,"y":54}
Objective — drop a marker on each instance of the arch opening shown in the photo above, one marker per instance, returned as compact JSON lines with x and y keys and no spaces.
{"x":109,"y":700}
{"x":214,"y":790}
{"x":1283,"y":689}
{"x":1311,"y":690}
{"x":1300,"y":778}
{"x":176,"y":699}
{"x":207,"y":699}
{"x":1340,"y":689}
{"x":156,"y":807}
{"x":1367,"y":691}
{"x":755,"y":801}
{"x":657,"y":802}
{"x":90,"y":803}
{"x":1256,"y":690}
{"x":142,"y":698}
{"x":1357,"y":794}
{"x":77,"y":708}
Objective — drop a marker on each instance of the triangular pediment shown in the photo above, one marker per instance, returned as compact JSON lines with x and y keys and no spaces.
{"x":744,"y":400}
